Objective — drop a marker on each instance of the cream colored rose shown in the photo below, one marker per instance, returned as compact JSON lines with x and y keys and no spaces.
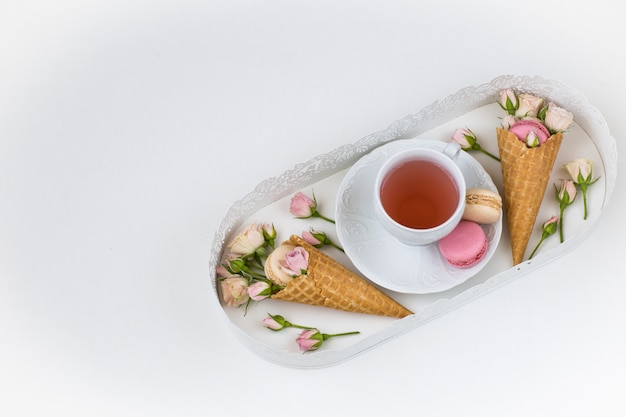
{"x":558,"y":119}
{"x":529,"y":106}
{"x":579,"y":170}
{"x":248,"y":241}
{"x":234,"y":290}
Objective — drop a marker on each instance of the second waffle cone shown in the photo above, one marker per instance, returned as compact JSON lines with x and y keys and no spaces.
{"x":525,"y":172}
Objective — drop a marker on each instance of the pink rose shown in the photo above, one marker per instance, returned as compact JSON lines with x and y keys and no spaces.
{"x":260,"y":290}
{"x":296,"y":261}
{"x":234,"y":290}
{"x":529,"y":106}
{"x":310,"y":339}
{"x":302,"y":206}
{"x":526,"y":127}
{"x":558,"y":119}
{"x":251,"y":239}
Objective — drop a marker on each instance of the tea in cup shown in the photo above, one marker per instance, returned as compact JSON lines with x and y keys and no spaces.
{"x":420,"y":193}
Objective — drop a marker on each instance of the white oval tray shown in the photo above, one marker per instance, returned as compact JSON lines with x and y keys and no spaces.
{"x":472,"y":107}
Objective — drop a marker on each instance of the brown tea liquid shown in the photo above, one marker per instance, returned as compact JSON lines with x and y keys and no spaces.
{"x":419,"y":194}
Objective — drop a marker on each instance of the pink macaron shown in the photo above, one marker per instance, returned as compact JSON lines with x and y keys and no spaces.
{"x":522,"y":128}
{"x":465,"y":246}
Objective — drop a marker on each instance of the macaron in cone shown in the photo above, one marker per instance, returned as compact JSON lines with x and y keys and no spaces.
{"x":327,"y":283}
{"x":526,"y":172}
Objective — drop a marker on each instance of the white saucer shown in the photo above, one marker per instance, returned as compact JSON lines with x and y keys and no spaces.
{"x":381,"y":257}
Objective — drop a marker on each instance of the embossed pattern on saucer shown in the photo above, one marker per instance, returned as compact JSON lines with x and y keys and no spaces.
{"x":379,"y":256}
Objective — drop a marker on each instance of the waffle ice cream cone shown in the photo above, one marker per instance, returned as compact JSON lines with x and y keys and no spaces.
{"x":329,"y":284}
{"x":526,"y":172}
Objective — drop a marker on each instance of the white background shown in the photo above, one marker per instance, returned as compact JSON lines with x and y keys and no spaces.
{"x":128,"y":128}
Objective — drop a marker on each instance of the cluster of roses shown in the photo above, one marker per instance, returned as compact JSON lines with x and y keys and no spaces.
{"x":548,"y":118}
{"x":540,"y":121}
{"x":242,"y":275}
{"x":242,"y":272}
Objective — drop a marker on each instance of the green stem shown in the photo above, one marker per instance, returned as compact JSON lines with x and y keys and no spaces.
{"x":584,"y":190}
{"x":327,"y":336}
{"x":251,"y":275}
{"x":562,"y":209}
{"x":337,"y":247}
{"x":299,"y":327}
{"x":536,"y":247}
{"x":275,"y":288}
{"x":479,"y":148}
{"x":318,"y":214}
{"x":489,"y":154}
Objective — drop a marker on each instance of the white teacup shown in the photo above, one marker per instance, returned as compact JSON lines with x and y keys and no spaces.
{"x":420,"y":193}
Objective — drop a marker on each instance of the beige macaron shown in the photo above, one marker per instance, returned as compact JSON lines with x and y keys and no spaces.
{"x":482,"y":205}
{"x":273,"y":268}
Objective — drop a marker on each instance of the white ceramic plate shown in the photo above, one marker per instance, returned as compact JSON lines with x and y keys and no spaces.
{"x":382,"y":258}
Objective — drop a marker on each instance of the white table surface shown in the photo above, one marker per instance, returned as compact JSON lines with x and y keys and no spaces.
{"x":128,"y":128}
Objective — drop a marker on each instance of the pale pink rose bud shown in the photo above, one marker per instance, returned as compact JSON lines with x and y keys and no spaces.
{"x":310,"y":238}
{"x":464,"y":137}
{"x":221,"y":271}
{"x":312,"y":339}
{"x":558,"y":119}
{"x":566,"y":192}
{"x":550,"y":226}
{"x":269,"y":231}
{"x":468,"y":141}
{"x":524,"y":128}
{"x":251,"y":239}
{"x":275,"y":323}
{"x":529,"y":106}
{"x":302,"y":206}
{"x":260,"y":290}
{"x":234,"y":290}
{"x":532,"y":140}
{"x":508,"y":121}
{"x":571,"y":189}
{"x":296,"y":261}
{"x":508,"y":101}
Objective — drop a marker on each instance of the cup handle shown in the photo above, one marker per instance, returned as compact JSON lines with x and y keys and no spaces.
{"x":452,"y":150}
